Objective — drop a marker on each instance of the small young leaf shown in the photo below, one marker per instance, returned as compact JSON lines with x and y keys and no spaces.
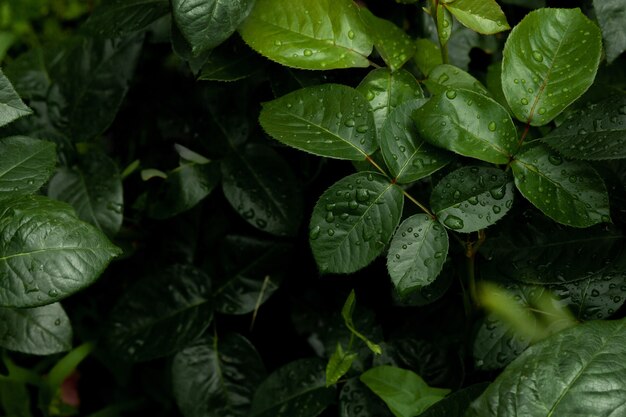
{"x":550,"y":59}
{"x":11,"y":106}
{"x":469,"y":124}
{"x":444,"y":24}
{"x":346,"y":312}
{"x":392,"y":43}
{"x":328,"y":120}
{"x":569,"y":192}
{"x":417,"y":253}
{"x":353,"y":221}
{"x":482,"y":16}
{"x":308,"y":34}
{"x":472,"y":198}
{"x":610,"y":15}
{"x":338,"y":364}
{"x":26,"y":164}
{"x":119,"y":18}
{"x":443,"y":77}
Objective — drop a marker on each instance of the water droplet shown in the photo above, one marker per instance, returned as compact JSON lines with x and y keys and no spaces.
{"x":362,"y":195}
{"x":53,"y":293}
{"x":445,"y":23}
{"x":362,"y":129}
{"x":582,"y":132}
{"x":456,"y":195}
{"x":57,"y":322}
{"x":248,"y":214}
{"x":277,"y":43}
{"x":261,"y":223}
{"x":537,"y":56}
{"x":473,"y":200}
{"x":443,"y":78}
{"x":330,"y":217}
{"x":314,"y":233}
{"x":524,"y":101}
{"x":492,"y":126}
{"x":308,"y":52}
{"x":349,"y":123}
{"x":330,"y":206}
{"x":498,"y":193}
{"x":353,"y":205}
{"x":555,"y":159}
{"x":453,"y":222}
{"x":496,"y":209}
{"x":330,"y":232}
{"x":350,"y":34}
{"x":370,"y":95}
{"x":451,"y":94}
{"x":31,"y":182}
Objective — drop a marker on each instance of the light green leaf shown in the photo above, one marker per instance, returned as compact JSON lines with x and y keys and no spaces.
{"x":596,"y":133}
{"x":207,"y":23}
{"x":297,"y":389}
{"x":36,"y":331}
{"x":443,"y":77}
{"x":392,"y":43}
{"x":611,"y":15}
{"x":118,"y":18}
{"x":308,"y":34}
{"x":405,"y":393}
{"x":328,"y":120}
{"x":386,"y":90}
{"x":353,"y":221}
{"x":550,"y":59}
{"x":347,"y":312}
{"x":569,"y":192}
{"x":482,"y":16}
{"x":472,"y":198}
{"x":444,"y":24}
{"x":469,"y":124}
{"x":25,"y":165}
{"x":427,"y":55}
{"x":339,"y":363}
{"x":215,"y":377}
{"x":417,"y":253}
{"x":407,"y":156}
{"x":559,"y":376}
{"x":11,"y":106}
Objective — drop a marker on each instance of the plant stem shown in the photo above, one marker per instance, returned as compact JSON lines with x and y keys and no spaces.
{"x":443,"y":47}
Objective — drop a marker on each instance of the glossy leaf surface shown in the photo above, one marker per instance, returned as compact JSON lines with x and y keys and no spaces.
{"x":356,"y":400}
{"x":26,"y":164}
{"x":11,"y":106}
{"x":482,"y":16}
{"x":392,"y":43}
{"x":427,"y":55}
{"x":353,"y":221}
{"x":117,"y":18}
{"x":445,"y":76}
{"x":327,"y":120}
{"x":550,"y":59}
{"x":338,"y":364}
{"x":455,"y":404}
{"x":610,"y":14}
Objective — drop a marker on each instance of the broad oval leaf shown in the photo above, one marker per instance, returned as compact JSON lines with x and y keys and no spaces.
{"x":138,"y":331}
{"x":207,"y":23}
{"x":427,"y":56}
{"x":36,"y":331}
{"x":472,"y":198}
{"x":549,"y":60}
{"x":596,"y":133}
{"x":308,"y":34}
{"x":569,"y":192}
{"x":407,"y":156}
{"x":231,"y":61}
{"x":559,"y":376}
{"x":469,"y":124}
{"x":353,"y":221}
{"x":261,"y":186}
{"x":356,"y":400}
{"x":445,"y":76}
{"x":94,"y":188}
{"x":417,"y":253}
{"x":46,"y":252}
{"x":297,"y":389}
{"x":610,"y":14}
{"x":11,"y":105}
{"x":482,"y":16}
{"x":26,"y":164}
{"x":386,"y":90}
{"x":118,"y":18}
{"x":330,"y":120}
{"x":339,"y":364}
{"x":215,"y":377}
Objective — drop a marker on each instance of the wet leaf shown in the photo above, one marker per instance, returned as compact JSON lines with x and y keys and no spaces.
{"x":445,"y":76}
{"x":117,"y":18}
{"x":26,"y":164}
{"x":356,"y":400}
{"x":392,"y":43}
{"x":482,"y":16}
{"x":455,"y":404}
{"x":11,"y":106}
{"x":611,"y":14}
{"x":339,"y":364}
{"x":427,"y":55}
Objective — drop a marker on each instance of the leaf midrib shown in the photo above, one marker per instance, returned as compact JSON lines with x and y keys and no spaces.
{"x":59,"y":249}
{"x":23,"y":161}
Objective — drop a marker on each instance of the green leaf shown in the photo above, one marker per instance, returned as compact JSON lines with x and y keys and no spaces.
{"x":308,"y":34}
{"x":46,"y":253}
{"x":356,"y":400}
{"x":550,"y":59}
{"x":443,"y":77}
{"x":15,"y":399}
{"x":327,"y":120}
{"x":231,"y":62}
{"x":560,"y":375}
{"x":569,"y":192}
{"x":405,"y":393}
{"x":386,"y":90}
{"x":427,"y":55}
{"x":429,"y":294}
{"x":482,"y":16}
{"x":94,"y":188}
{"x":215,"y":377}
{"x":297,"y":389}
{"x":339,"y":363}
{"x":392,"y":43}
{"x":261,"y":186}
{"x":26,"y":164}
{"x":444,"y":24}
{"x":407,"y":156}
{"x":119,"y":18}
{"x":472,"y":198}
{"x":347,"y":312}
{"x":11,"y":106}
{"x":610,"y":14}
{"x":208,"y":23}
{"x":139,"y":332}
{"x":455,"y":404}
{"x":36,"y":331}
{"x":417,"y":253}
{"x":469,"y":124}
{"x":596,"y":133}
{"x":353,"y":221}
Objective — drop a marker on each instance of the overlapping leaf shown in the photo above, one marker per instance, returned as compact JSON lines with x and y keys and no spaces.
{"x":445,"y":76}
{"x":117,"y":18}
{"x":26,"y":164}
{"x":11,"y":106}
{"x":392,"y":43}
{"x":610,"y":15}
{"x":482,"y":16}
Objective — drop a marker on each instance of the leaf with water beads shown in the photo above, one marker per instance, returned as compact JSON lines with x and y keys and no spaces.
{"x":446,"y":76}
{"x":353,"y":221}
{"x":482,"y":16}
{"x":11,"y":106}
{"x":26,"y":164}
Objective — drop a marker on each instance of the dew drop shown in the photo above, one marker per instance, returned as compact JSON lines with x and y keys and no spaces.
{"x":330,"y":232}
{"x":314,"y":233}
{"x":362,"y":195}
{"x":542,"y":110}
{"x":57,"y":322}
{"x":351,"y":34}
{"x":453,"y":222}
{"x":492,"y":126}
{"x":498,"y":193}
{"x":349,"y":123}
{"x":53,"y":293}
{"x":362,"y":129}
{"x":443,"y":78}
{"x":308,"y":52}
{"x":524,"y":101}
{"x":330,"y":217}
{"x":456,"y":194}
{"x":451,"y":94}
{"x":555,"y":159}
{"x":496,"y":209}
{"x":537,"y":56}
{"x":353,"y":205}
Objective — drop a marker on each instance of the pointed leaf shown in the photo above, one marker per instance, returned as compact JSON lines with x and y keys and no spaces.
{"x":611,"y":16}
{"x":443,"y":77}
{"x":407,"y":156}
{"x":386,"y":90}
{"x":308,"y":34}
{"x":297,"y":389}
{"x":356,"y":400}
{"x":328,"y":120}
{"x":118,"y":18}
{"x":417,"y":253}
{"x":550,"y":59}
{"x":560,"y":375}
{"x":427,"y":55}
{"x":444,"y":24}
{"x":347,"y":312}
{"x":353,"y":221}
{"x":46,"y":253}
{"x":569,"y":192}
{"x":339,"y":363}
{"x":26,"y":164}
{"x":11,"y":106}
{"x":36,"y":331}
{"x":482,"y":16}
{"x":231,"y":62}
{"x":261,"y":186}
{"x":472,"y":198}
{"x":469,"y":124}
{"x":596,"y":133}
{"x":392,"y":43}
{"x":215,"y":377}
